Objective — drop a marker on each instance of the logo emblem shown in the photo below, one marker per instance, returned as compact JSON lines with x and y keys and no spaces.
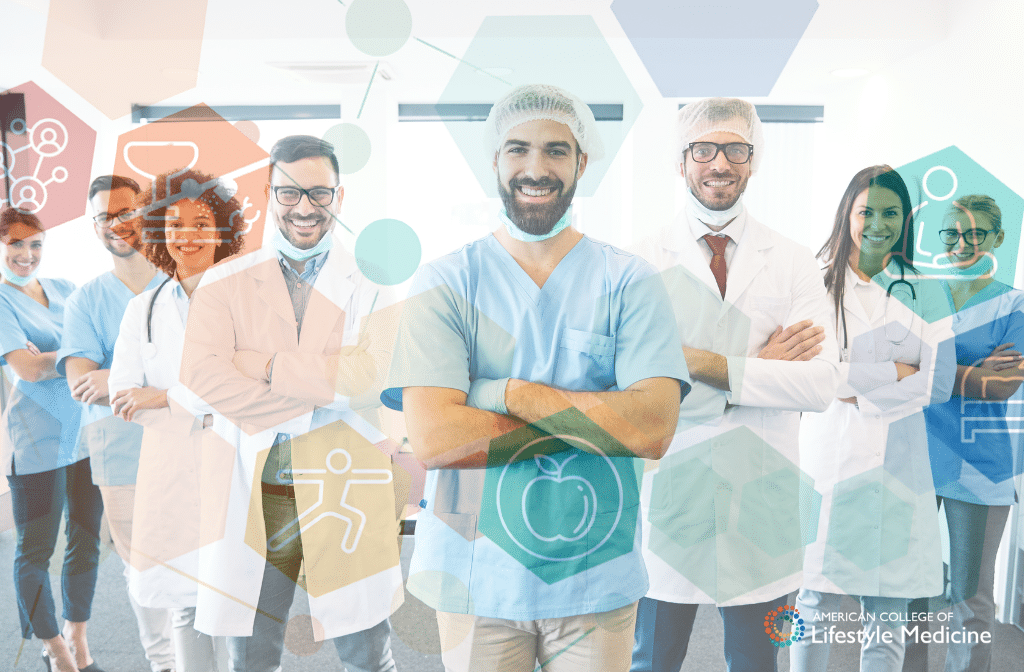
{"x":775,"y":622}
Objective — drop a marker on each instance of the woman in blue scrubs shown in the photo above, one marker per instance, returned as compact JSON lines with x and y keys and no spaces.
{"x":970,"y":444}
{"x":47,"y":473}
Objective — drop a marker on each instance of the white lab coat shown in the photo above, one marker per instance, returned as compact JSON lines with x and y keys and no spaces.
{"x":721,"y":519}
{"x":244,"y":305}
{"x":166,"y":521}
{"x":878,"y":529}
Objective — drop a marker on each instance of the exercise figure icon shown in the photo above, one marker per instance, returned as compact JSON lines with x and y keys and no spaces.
{"x":338,"y":463}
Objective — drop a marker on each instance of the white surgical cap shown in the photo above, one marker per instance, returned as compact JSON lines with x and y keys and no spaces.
{"x":711,"y":115}
{"x":543,"y":101}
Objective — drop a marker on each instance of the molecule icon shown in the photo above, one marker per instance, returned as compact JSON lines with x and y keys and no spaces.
{"x":47,"y":138}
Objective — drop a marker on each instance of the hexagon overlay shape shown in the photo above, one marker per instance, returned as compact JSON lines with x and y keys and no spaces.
{"x":49,"y":159}
{"x":212,"y":146}
{"x":758,"y":536}
{"x":346,"y":509}
{"x":84,"y":37}
{"x":938,"y":179}
{"x":569,"y":528}
{"x":751,"y":42}
{"x":567,"y":51}
{"x":860,"y":504}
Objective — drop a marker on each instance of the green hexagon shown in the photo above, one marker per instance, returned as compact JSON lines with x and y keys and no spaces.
{"x":860,"y":506}
{"x":757,"y":538}
{"x":786,"y":489}
{"x":560,"y":509}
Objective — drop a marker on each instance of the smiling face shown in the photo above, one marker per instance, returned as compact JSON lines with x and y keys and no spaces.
{"x":962,"y":253}
{"x":876,"y":221}
{"x":305,"y":223}
{"x":191,"y":237}
{"x":537,"y":167}
{"x":718,"y":184}
{"x":22,"y":249}
{"x":120,"y":238}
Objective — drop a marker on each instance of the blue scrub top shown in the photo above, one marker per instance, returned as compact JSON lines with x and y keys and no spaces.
{"x":41,"y":421}
{"x":969,"y":441}
{"x":556,"y":535}
{"x":92,"y":320}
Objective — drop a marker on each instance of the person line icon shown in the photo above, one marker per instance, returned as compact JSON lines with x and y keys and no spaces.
{"x":315,"y":513}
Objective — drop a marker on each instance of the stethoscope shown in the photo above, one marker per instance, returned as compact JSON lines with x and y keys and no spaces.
{"x":149,"y":349}
{"x":885,"y":326}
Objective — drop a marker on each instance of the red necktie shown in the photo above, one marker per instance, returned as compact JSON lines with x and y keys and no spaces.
{"x":717,"y":245}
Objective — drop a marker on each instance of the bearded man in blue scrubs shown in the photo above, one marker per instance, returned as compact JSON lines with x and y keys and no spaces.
{"x":92,"y":320}
{"x":534,"y":366}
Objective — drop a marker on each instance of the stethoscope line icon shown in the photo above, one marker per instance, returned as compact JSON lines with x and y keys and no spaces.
{"x":353,"y":531}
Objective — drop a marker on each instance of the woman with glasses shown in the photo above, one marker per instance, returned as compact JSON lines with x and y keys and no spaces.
{"x":182,"y":235}
{"x":872,"y":512}
{"x":972,"y":450}
{"x":48,"y":474}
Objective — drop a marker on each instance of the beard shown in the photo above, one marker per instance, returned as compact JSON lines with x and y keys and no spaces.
{"x":531,"y":218}
{"x":693,"y":182}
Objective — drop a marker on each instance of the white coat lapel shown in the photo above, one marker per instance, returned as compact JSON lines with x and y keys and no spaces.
{"x":687,"y":252}
{"x":748,"y":260}
{"x":271,"y":290}
{"x":329,"y":300}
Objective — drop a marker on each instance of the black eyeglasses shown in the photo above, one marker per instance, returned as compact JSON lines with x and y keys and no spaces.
{"x":322,"y":196}
{"x":106,"y":219}
{"x":970,"y":236}
{"x":735,"y":152}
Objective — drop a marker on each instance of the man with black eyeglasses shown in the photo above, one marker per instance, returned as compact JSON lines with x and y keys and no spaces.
{"x":92,"y":320}
{"x":283,"y":345}
{"x":727,"y":511}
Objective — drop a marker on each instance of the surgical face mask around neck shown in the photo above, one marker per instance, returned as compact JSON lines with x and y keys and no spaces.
{"x":700,"y":212}
{"x":15,"y":279}
{"x":525,"y":237}
{"x":984,"y":267}
{"x":284,"y":246}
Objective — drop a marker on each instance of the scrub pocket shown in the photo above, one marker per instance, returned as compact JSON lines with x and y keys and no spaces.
{"x":586,"y":360}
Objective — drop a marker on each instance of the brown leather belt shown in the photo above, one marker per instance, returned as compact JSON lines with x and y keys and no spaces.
{"x":279,"y":490}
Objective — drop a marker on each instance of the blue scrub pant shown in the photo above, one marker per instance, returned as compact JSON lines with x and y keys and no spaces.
{"x":975,"y":531}
{"x":663,"y":635}
{"x":365,"y":651}
{"x":39,"y":501}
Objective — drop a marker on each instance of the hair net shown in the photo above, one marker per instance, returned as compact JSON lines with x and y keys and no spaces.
{"x":721,"y":114}
{"x":543,"y":101}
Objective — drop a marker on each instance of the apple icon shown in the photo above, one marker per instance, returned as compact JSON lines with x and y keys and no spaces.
{"x":553,"y":498}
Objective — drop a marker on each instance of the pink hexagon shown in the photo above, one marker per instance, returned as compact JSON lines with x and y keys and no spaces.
{"x":47,"y":156}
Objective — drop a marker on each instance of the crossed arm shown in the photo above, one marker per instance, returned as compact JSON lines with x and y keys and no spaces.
{"x":446,"y":433}
{"x":31,"y":365}
{"x":994,"y":378}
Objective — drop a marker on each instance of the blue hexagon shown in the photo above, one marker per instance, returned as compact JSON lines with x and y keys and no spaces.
{"x":748,"y":41}
{"x":567,"y":51}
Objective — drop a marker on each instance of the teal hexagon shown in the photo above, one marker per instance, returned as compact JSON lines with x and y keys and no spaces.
{"x":567,"y":51}
{"x":938,"y":179}
{"x":756,"y":538}
{"x":556,"y":501}
{"x":787,"y":489}
{"x":861,"y":507}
